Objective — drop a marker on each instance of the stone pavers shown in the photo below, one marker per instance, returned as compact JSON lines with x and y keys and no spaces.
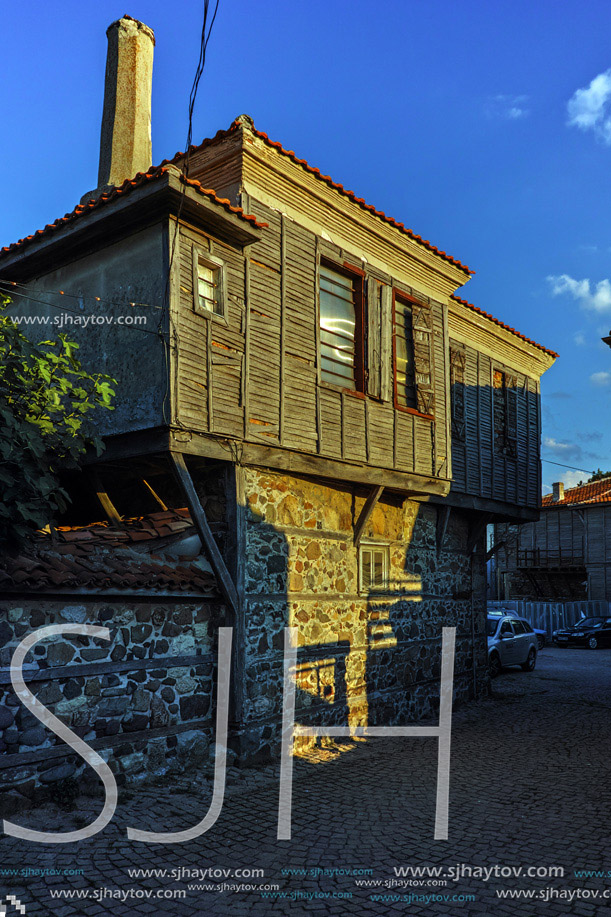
{"x":528,"y":768}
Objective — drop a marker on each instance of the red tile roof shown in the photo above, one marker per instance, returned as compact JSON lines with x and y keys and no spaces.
{"x":240,"y":121}
{"x":469,"y":305}
{"x":597,"y":492}
{"x":153,"y":174}
{"x":101,"y":558}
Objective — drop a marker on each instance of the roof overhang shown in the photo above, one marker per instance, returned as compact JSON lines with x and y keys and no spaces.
{"x":166,"y":195}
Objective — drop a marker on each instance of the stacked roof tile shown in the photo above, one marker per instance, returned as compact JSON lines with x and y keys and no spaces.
{"x":153,"y":174}
{"x":101,"y":558}
{"x":587,"y":494}
{"x":469,"y":305}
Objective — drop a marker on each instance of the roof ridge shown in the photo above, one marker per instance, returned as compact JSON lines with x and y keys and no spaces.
{"x":244,"y":120}
{"x":126,"y":187}
{"x":497,"y":321}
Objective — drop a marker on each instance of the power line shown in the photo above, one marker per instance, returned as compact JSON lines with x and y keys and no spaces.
{"x":79,"y":296}
{"x":572,"y":467}
{"x":63,"y":308}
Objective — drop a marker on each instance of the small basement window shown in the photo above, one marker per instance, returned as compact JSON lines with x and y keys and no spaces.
{"x":374,"y":565}
{"x":208,"y":285}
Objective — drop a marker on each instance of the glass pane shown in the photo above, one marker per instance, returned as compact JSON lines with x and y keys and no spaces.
{"x":337,"y":328}
{"x":378,"y":568}
{"x":208,"y":288}
{"x":404,"y":357}
{"x":365,"y":569}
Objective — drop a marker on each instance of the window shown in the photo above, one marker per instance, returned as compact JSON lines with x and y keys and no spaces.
{"x":374,"y":563}
{"x":208,"y":285}
{"x":405,"y":374}
{"x":504,"y":389}
{"x":413,"y":355}
{"x":341,"y":328}
{"x":457,"y":391}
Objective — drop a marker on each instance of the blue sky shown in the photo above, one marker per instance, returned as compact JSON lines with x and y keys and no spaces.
{"x":485,"y":127}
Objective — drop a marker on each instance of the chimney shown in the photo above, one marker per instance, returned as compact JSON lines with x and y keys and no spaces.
{"x":558,"y":491}
{"x":125,"y":143}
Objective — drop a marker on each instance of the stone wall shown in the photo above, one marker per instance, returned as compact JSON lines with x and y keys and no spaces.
{"x":142,"y":700}
{"x":363,"y":657}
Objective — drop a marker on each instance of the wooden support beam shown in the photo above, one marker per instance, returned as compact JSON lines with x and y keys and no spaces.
{"x":493,"y":550}
{"x":105,"y":501}
{"x":477,"y":529}
{"x":443,"y":517}
{"x":154,"y":495}
{"x":226,"y":584}
{"x":368,"y":507}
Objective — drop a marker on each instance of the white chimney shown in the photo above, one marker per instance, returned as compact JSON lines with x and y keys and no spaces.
{"x":125,"y":143}
{"x":558,"y":491}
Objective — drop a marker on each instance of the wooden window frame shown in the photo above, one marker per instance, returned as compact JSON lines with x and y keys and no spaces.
{"x":460,"y":435}
{"x":509,"y":448}
{"x":384,"y":548}
{"x":201,"y":256}
{"x":411,"y":300}
{"x":358,"y":277}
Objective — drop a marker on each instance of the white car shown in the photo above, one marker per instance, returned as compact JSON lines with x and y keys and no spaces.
{"x":511,"y":641}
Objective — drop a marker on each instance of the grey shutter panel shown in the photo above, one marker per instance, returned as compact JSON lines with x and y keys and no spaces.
{"x":458,"y":359}
{"x":386,"y":368}
{"x":374,"y":340}
{"x":422,"y":329}
{"x":511,"y":394}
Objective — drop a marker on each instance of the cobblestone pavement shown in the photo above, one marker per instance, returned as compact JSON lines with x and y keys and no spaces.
{"x":529,"y":787}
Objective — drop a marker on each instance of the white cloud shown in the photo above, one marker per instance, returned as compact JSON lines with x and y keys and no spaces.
{"x":600,"y":379}
{"x":580,"y":339}
{"x":510,"y":108}
{"x":593,"y":297}
{"x":571,"y":451}
{"x":589,"y":109}
{"x":572,"y":478}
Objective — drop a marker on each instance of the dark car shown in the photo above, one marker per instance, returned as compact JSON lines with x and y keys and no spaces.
{"x":590,"y":632}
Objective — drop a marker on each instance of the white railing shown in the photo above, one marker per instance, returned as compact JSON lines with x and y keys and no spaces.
{"x":550,"y":616}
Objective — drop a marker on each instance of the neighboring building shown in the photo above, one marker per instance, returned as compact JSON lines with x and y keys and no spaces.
{"x":566,"y":554}
{"x":306,"y":364}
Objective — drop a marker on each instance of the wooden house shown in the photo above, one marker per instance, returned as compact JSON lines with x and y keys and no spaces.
{"x":565,"y":555}
{"x":281,"y":341}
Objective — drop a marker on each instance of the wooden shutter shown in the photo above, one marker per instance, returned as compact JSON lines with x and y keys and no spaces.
{"x":511,"y":432}
{"x":386,"y":368}
{"x":374,"y":339}
{"x":458,"y":359}
{"x":422,"y":324}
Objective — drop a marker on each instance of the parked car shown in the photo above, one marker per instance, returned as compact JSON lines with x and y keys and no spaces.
{"x":511,"y":641}
{"x":591,"y":632}
{"x":541,"y":634}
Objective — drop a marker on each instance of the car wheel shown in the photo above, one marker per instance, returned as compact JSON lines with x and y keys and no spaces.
{"x":592,"y":642}
{"x":540,"y":641}
{"x":494,"y":665}
{"x":531,"y":660}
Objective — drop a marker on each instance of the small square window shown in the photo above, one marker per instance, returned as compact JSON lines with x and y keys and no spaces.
{"x":374,"y":563}
{"x":208,"y":285}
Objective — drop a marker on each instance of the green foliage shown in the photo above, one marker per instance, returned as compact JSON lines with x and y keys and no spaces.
{"x":45,"y":399}
{"x":598,"y":476}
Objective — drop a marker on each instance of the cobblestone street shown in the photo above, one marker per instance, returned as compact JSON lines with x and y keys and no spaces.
{"x":529,"y":788}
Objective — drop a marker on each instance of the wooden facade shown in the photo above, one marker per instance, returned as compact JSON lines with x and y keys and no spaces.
{"x":566,"y":554}
{"x":260,"y":381}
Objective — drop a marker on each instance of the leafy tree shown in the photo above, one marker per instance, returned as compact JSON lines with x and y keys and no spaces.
{"x":45,"y":399}
{"x":598,"y":476}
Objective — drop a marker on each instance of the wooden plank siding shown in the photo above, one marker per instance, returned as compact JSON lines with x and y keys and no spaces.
{"x":257,"y":377}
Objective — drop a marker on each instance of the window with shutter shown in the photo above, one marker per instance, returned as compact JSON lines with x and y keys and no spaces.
{"x":505,"y":408}
{"x":413,"y":329}
{"x":458,"y":361}
{"x":341,"y":328}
